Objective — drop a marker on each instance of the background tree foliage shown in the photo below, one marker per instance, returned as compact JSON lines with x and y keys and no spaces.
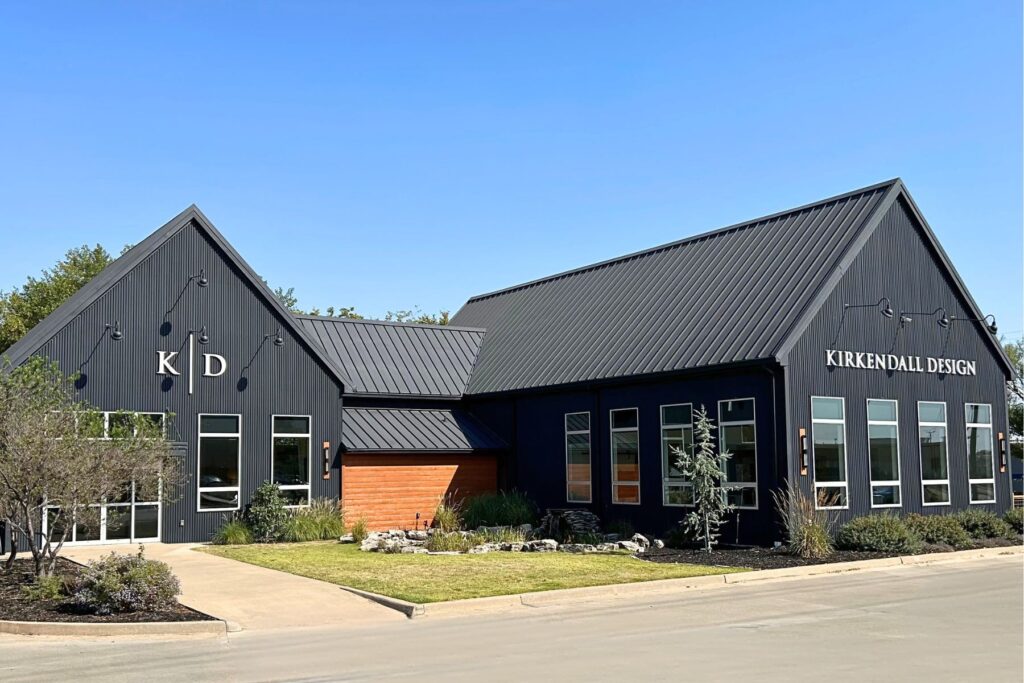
{"x":411,"y":315}
{"x":22,"y":308}
{"x":1015,"y":397}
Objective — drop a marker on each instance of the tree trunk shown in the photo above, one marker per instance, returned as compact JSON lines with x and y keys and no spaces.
{"x":14,"y":551}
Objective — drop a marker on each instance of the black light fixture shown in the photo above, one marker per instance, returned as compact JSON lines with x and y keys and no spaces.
{"x":276,"y":337}
{"x":201,"y":279}
{"x":943,"y":320}
{"x":991,"y":326}
{"x":203,"y":337}
{"x":884,"y":307}
{"x":115,"y":331}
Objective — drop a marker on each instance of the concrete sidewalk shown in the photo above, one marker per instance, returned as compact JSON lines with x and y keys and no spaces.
{"x":252,"y":597}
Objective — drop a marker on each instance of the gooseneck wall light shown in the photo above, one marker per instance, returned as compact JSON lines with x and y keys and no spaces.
{"x":884,"y":306}
{"x":942,"y":320}
{"x":115,"y":330}
{"x":989,"y":319}
{"x":276,"y":336}
{"x":203,"y":338}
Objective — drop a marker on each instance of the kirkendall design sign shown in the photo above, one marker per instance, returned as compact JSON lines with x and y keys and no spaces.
{"x":214,"y":364}
{"x":889,"y":362}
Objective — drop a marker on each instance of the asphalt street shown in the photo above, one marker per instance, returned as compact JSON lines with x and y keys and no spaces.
{"x":947,"y":622}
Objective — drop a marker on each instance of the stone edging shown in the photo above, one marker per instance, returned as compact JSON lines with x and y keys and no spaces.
{"x":105,"y":629}
{"x":570,"y":596}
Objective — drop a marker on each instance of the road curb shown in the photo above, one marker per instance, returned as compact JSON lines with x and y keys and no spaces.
{"x":144,"y":628}
{"x":660,"y":587}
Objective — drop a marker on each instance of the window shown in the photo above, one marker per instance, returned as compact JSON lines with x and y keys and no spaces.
{"x":884,"y":452}
{"x":577,"y":458}
{"x":220,"y":441}
{"x":737,"y":435}
{"x":290,"y":465}
{"x":981,"y":477}
{"x":676,"y":433}
{"x":625,"y":456}
{"x":113,"y":424}
{"x":828,"y":427}
{"x":931,"y":432}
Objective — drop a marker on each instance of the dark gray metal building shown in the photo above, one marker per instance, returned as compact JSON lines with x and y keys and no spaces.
{"x":834,"y":344}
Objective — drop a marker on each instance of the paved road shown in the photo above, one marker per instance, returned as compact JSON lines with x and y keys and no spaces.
{"x":952,"y":622}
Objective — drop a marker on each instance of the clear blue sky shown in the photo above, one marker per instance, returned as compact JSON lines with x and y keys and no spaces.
{"x":386,"y":155}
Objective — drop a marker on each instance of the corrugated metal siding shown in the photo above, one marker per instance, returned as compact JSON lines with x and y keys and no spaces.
{"x":402,"y":430}
{"x":897,"y":263}
{"x":727,"y":296}
{"x":261,"y":380}
{"x":398,"y":359}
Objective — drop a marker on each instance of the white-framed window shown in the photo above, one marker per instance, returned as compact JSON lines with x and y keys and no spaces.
{"x":220,"y":462}
{"x":676,"y":433}
{"x":127,"y":518}
{"x":828,"y":439}
{"x":108,"y":424}
{"x":577,"y":458}
{"x":625,"y":453}
{"x":291,"y":443}
{"x":981,"y":477}
{"x":737,"y":435}
{"x":932,"y":440}
{"x":884,"y":453}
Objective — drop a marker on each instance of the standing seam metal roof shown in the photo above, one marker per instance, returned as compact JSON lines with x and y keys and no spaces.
{"x":415,"y":430}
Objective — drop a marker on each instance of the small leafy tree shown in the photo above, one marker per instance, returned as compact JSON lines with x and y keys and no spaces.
{"x":704,"y":469}
{"x":58,"y":460}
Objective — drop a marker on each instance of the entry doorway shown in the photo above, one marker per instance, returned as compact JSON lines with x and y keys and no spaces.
{"x":126,"y":521}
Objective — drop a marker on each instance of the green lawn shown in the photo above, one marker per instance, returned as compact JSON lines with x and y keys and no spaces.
{"x":436,"y":578}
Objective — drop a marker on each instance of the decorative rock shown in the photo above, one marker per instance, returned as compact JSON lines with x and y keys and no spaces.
{"x":544,"y":545}
{"x":414,"y":549}
{"x":347,"y":538}
{"x":606,"y":547}
{"x":658,"y":543}
{"x":630,"y":546}
{"x":577,"y":548}
{"x":611,"y":538}
{"x":641,"y":541}
{"x":396,"y":533}
{"x":484,"y":548}
{"x":512,"y":547}
{"x":416,"y":535}
{"x":570,"y":523}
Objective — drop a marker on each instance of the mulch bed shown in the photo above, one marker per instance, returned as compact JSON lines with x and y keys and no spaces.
{"x":769,"y":558}
{"x":15,"y":605}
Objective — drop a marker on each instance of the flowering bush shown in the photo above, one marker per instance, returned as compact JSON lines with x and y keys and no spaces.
{"x":125,"y":583}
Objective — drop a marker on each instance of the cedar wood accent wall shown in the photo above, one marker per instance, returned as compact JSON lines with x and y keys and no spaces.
{"x":389,"y":489}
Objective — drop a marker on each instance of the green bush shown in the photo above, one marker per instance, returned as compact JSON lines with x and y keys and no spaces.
{"x":448,"y":541}
{"x":266,"y":514}
{"x":447,"y":516}
{"x":300,"y":528}
{"x":234,"y":531}
{"x":320,"y":521}
{"x":49,"y":588}
{"x":125,"y":583}
{"x":983,"y":524}
{"x":510,"y":508}
{"x":621,"y":527}
{"x":1015,"y":518}
{"x":808,"y":528}
{"x":878,"y":533}
{"x":360,"y":530}
{"x":943,"y":529}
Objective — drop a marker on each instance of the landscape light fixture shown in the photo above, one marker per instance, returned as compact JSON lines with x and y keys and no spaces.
{"x":991,"y":326}
{"x":115,"y":331}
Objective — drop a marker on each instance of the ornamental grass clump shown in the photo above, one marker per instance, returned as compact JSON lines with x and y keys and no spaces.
{"x":808,"y":528}
{"x":452,"y":541}
{"x":939,"y":529}
{"x":360,"y":530}
{"x":319,"y":521}
{"x":982,"y":524}
{"x":447,"y":515}
{"x":878,"y":533}
{"x":505,"y":534}
{"x":234,"y":531}
{"x":126,"y":583}
{"x":505,"y":508}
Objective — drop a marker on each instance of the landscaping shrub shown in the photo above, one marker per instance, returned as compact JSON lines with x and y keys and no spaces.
{"x":679,"y":537}
{"x":266,"y":514}
{"x":299,"y":528}
{"x":510,"y":508}
{"x":621,"y":527}
{"x":878,"y":533}
{"x":320,"y":521}
{"x":1015,"y":518}
{"x":234,"y":531}
{"x":441,"y":541}
{"x":125,"y":583}
{"x":52,"y":588}
{"x":935,"y":529}
{"x":808,"y":529}
{"x":983,"y":524}
{"x":507,"y":534}
{"x":360,"y":530}
{"x":447,"y":516}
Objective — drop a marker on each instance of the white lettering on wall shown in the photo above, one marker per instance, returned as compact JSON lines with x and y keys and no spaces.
{"x":208,"y":371}
{"x":893,"y":363}
{"x":165,"y":363}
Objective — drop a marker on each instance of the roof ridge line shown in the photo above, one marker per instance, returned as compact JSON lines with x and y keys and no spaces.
{"x":391,"y":323}
{"x":692,"y":238}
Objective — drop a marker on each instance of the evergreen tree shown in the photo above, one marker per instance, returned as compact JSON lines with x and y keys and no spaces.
{"x":704,"y":469}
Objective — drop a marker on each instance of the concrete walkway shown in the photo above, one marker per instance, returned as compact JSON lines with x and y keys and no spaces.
{"x":252,"y":597}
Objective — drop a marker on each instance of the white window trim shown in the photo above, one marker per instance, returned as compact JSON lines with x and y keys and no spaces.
{"x":308,"y":486}
{"x":992,"y":450}
{"x":132,"y":538}
{"x":590,"y":447}
{"x":667,"y":480}
{"x":753,"y":421}
{"x":611,"y":454}
{"x":899,"y":450}
{"x":106,"y":421}
{"x":920,"y":452}
{"x":845,"y":485}
{"x":200,"y":489}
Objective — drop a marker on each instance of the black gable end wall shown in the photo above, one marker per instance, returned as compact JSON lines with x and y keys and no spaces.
{"x":898,"y":263}
{"x":157,"y":307}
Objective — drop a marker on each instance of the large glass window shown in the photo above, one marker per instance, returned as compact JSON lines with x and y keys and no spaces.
{"x":884,"y":452}
{"x":220,"y":441}
{"x":737,"y":435}
{"x":980,"y":464}
{"x":291,"y":451}
{"x":828,"y":426}
{"x":931,"y":431}
{"x":625,"y":456}
{"x":577,"y":458}
{"x":676,"y":433}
